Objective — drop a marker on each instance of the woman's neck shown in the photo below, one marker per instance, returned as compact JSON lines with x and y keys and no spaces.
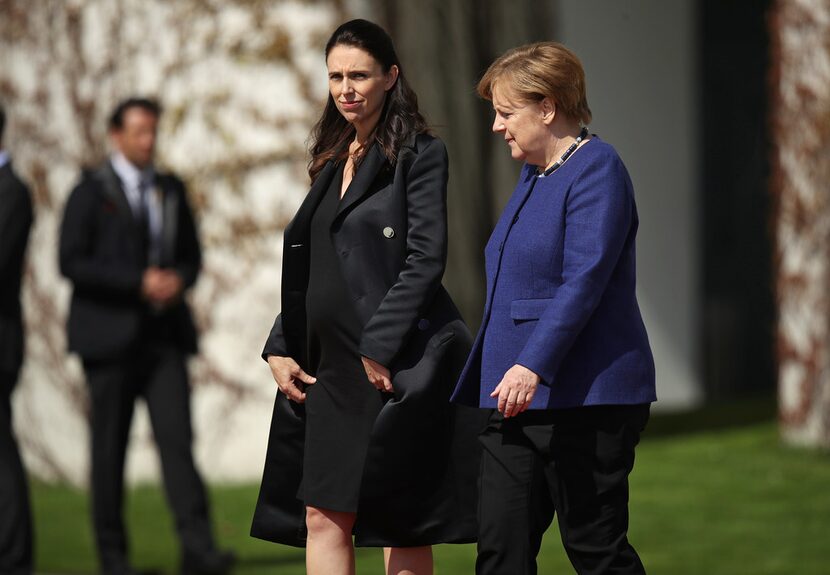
{"x":364,"y":131}
{"x":562,"y":138}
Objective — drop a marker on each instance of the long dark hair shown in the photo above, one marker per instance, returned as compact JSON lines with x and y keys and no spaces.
{"x":399,"y":118}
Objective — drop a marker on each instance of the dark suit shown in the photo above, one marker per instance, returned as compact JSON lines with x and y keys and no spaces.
{"x":390,"y":233}
{"x":130,"y":350}
{"x":15,"y":516}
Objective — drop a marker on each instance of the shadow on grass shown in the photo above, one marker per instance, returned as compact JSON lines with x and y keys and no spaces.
{"x":713,"y":417}
{"x":270,"y":560}
{"x":148,"y":571}
{"x":242,"y":564}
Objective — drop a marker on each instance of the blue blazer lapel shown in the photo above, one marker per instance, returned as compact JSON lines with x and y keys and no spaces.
{"x":507,"y":220}
{"x":505,"y":224}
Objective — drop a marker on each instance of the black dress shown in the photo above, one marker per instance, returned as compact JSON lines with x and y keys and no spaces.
{"x":411,"y":456}
{"x":342,"y":406}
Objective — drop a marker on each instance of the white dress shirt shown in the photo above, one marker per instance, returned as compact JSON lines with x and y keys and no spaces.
{"x":5,"y":158}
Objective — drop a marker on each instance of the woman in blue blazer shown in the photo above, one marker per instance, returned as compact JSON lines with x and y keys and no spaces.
{"x":562,"y":358}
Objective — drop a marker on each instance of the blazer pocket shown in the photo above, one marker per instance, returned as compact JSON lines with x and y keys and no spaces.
{"x":529,"y":309}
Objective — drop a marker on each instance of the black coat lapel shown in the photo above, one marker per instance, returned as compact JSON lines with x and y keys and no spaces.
{"x":295,"y":264}
{"x":113,"y":188}
{"x":170,"y":221}
{"x":6,"y":172}
{"x":298,"y":229}
{"x":111,"y":184}
{"x":375,"y":160}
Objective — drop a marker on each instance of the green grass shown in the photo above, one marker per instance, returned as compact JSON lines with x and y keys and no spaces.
{"x":726,"y":500}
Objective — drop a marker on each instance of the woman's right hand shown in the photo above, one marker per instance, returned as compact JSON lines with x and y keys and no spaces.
{"x":286,"y":373}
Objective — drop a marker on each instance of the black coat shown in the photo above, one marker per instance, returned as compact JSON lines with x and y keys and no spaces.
{"x":15,"y":223}
{"x":101,"y":254}
{"x":419,"y":485}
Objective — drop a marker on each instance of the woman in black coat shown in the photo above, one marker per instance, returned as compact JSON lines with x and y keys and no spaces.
{"x":368,"y":343}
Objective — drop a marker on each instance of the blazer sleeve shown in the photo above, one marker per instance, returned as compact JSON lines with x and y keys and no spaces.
{"x":188,"y":250}
{"x":275,"y":344}
{"x":15,"y":222}
{"x":598,"y":220}
{"x":387,"y":330}
{"x":76,"y":252}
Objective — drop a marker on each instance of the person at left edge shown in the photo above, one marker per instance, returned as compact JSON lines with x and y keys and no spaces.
{"x":15,"y":222}
{"x":129,"y":247}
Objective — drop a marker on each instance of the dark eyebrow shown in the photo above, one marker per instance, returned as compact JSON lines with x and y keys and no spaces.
{"x":351,"y":73}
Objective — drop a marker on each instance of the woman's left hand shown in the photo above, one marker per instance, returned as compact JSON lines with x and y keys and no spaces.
{"x":378,"y":375}
{"x":515,"y":390}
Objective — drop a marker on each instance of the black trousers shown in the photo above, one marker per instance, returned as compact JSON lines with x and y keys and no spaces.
{"x":15,"y":514}
{"x":572,"y":463}
{"x":158,"y":373}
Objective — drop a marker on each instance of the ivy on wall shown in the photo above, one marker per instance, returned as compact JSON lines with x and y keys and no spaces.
{"x":241,"y":82}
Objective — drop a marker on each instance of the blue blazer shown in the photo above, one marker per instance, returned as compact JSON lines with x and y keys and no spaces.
{"x":561,"y":300}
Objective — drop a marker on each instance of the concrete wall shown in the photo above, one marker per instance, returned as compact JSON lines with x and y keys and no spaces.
{"x":642,"y":74}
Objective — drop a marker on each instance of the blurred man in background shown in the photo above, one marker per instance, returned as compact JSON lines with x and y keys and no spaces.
{"x":15,"y":222}
{"x":129,"y":246}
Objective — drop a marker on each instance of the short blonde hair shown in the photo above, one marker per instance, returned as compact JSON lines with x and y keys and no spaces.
{"x":536,"y":71}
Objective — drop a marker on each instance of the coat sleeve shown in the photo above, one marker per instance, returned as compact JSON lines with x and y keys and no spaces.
{"x":275,"y":344}
{"x":598,"y":220}
{"x":387,"y":330}
{"x":15,"y":222}
{"x":76,"y":252}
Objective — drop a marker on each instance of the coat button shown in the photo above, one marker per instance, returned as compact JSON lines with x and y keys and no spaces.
{"x":423,"y":324}
{"x":388,"y":232}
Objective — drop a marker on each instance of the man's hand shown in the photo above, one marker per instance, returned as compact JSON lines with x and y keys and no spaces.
{"x":161,"y":287}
